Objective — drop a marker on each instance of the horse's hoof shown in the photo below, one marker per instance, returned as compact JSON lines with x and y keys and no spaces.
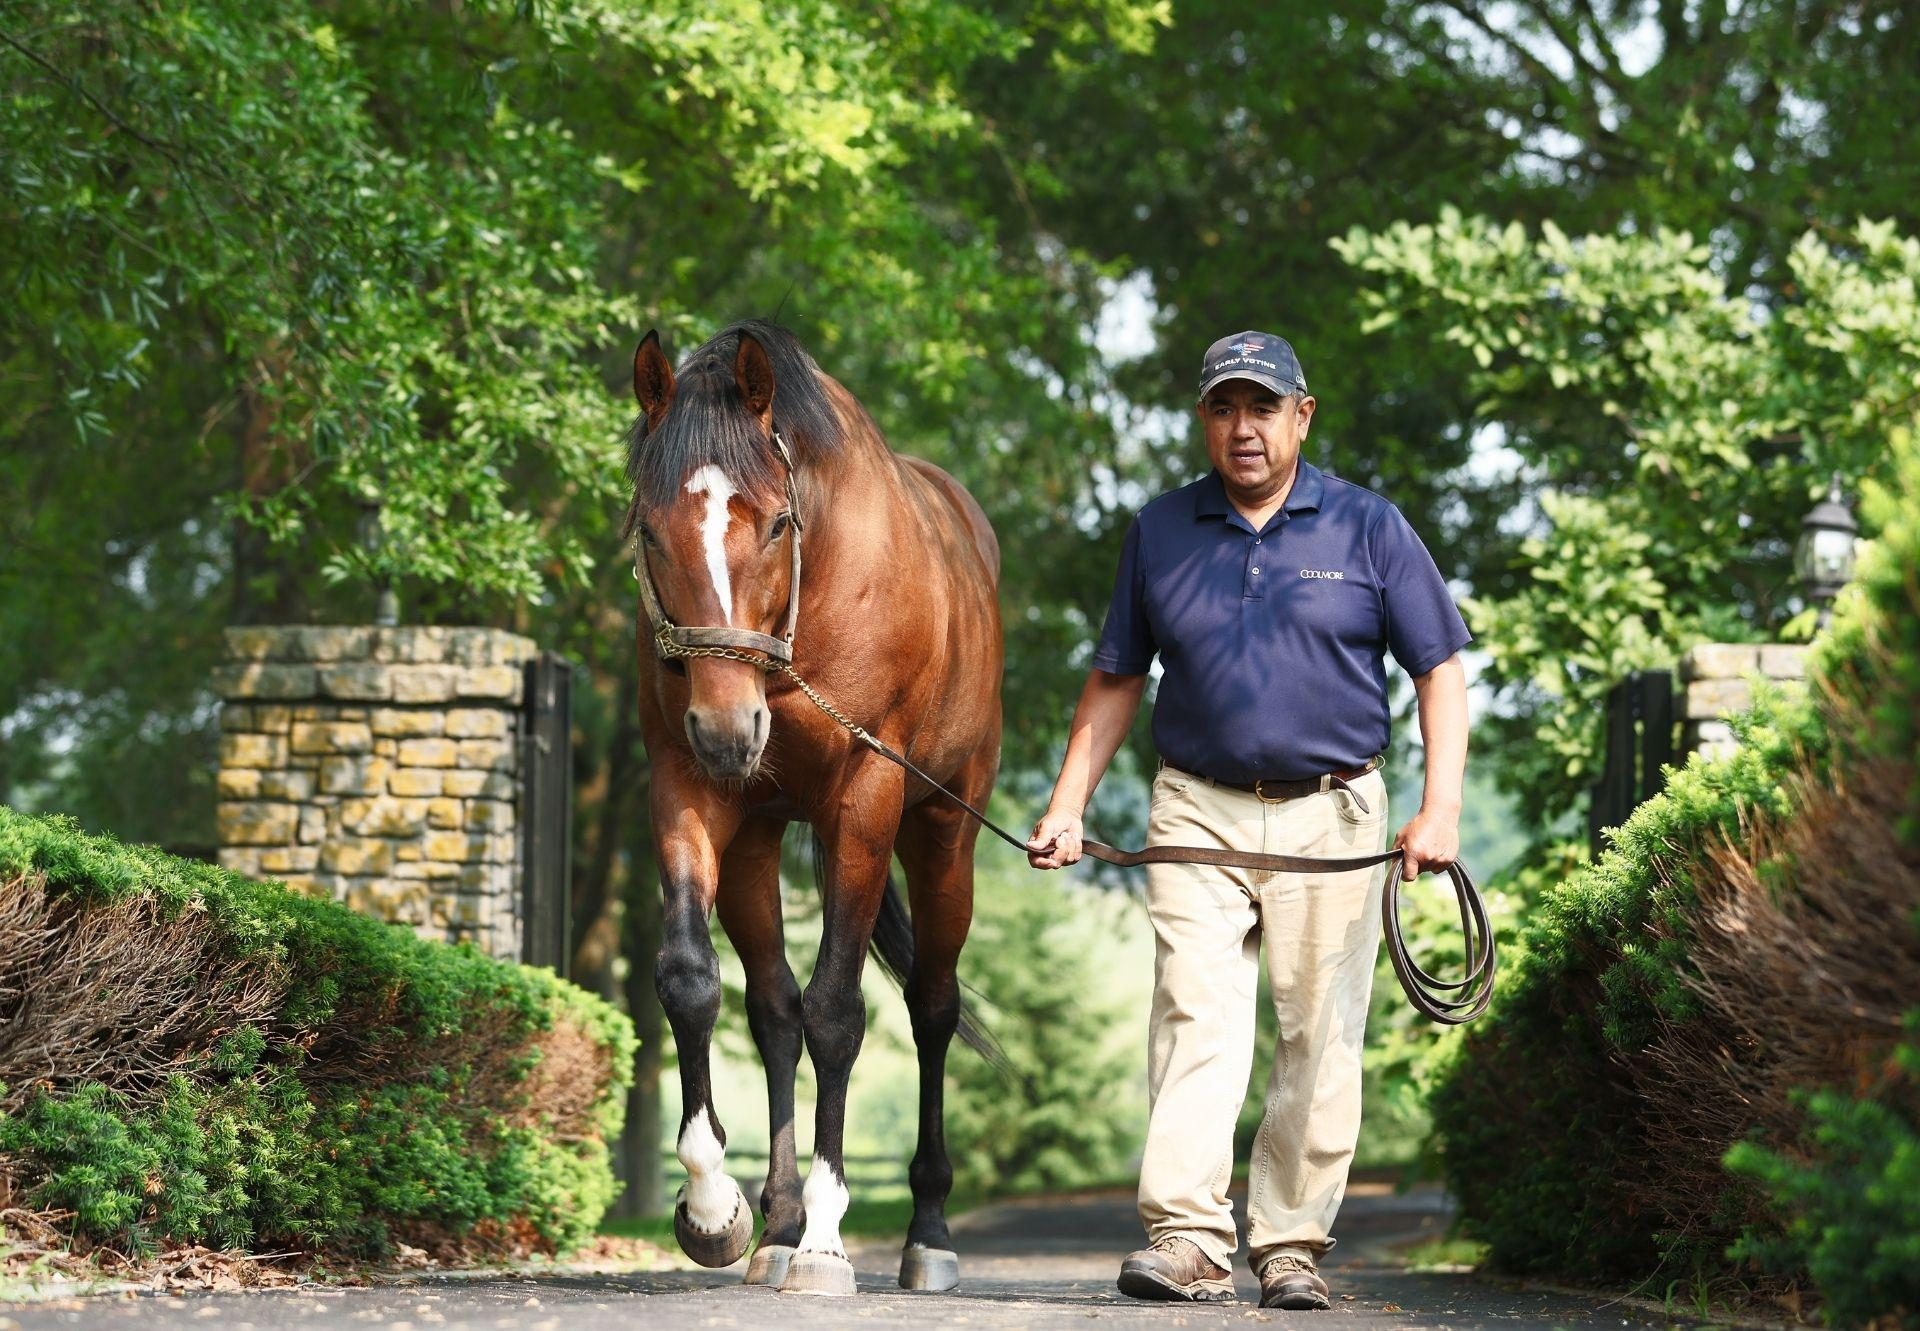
{"x":719,"y":1247}
{"x":818,"y":1273}
{"x":929,"y":1268}
{"x":769,"y":1265}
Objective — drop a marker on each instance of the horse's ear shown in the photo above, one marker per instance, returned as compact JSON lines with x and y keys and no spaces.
{"x":652,"y":377}
{"x":753,"y":372}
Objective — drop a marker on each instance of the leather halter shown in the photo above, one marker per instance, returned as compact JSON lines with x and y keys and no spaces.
{"x":671,"y":640}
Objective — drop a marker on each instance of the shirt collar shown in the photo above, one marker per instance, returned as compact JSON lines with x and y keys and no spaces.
{"x":1210,"y":498}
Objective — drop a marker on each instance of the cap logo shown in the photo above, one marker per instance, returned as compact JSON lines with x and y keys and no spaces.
{"x":1248,"y":347}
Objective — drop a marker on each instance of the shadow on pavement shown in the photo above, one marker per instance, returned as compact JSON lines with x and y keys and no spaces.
{"x":1042,"y":1264}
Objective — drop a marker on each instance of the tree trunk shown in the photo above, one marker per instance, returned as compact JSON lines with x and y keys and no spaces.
{"x":612,"y":796}
{"x":262,"y":588}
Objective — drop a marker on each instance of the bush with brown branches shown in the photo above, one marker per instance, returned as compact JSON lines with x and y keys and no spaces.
{"x":191,"y":1058}
{"x":1705,"y":1068}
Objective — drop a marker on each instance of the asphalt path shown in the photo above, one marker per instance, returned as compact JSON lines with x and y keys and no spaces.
{"x":1042,"y":1264}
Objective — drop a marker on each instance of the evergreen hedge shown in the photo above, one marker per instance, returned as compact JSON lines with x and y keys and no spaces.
{"x":1704,"y":1068}
{"x":188,"y":1056}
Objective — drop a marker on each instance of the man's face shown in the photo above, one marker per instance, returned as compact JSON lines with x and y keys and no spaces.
{"x":1254,"y":434}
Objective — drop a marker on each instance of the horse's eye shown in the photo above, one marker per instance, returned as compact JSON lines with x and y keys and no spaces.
{"x":646,"y":534}
{"x":779,"y":527}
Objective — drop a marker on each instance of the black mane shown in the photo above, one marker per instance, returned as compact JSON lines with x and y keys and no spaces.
{"x":709,"y":422}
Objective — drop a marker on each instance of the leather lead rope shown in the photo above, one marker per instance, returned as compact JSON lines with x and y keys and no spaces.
{"x":1449,"y":1002}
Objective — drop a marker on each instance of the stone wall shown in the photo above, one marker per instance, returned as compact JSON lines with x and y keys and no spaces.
{"x":379,"y":767}
{"x":1718,"y":677}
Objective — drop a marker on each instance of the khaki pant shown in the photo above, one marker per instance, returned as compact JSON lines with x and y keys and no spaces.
{"x":1321,"y":933}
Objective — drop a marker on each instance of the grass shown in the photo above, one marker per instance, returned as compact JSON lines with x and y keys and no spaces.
{"x":1444,"y":1255}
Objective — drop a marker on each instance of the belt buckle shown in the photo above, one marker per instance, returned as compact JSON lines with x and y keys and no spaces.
{"x":1259,"y":791}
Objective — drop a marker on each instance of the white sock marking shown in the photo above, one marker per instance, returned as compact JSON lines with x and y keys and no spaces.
{"x":826,"y":1202}
{"x":710,"y":1193}
{"x":713,"y":483}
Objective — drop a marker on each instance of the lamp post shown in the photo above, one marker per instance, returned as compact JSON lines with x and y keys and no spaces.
{"x":1823,"y":556}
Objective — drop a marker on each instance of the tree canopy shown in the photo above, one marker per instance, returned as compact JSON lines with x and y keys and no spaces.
{"x":312,"y":296}
{"x":1676,"y":433}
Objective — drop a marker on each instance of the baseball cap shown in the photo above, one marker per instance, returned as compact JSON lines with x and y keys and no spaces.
{"x":1261,"y":357}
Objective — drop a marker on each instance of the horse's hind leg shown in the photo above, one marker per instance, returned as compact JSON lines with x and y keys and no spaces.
{"x":936,"y":848}
{"x":711,"y":1219}
{"x":750,"y":911}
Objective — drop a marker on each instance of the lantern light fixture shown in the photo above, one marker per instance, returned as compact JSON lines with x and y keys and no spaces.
{"x":1823,"y":557}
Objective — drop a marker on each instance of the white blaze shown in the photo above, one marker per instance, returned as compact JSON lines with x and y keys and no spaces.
{"x":710,"y":1193}
{"x":826,"y":1202}
{"x":713,"y":483}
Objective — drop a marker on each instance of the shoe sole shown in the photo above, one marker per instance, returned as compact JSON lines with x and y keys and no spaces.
{"x":1305,"y":1301}
{"x":1147,"y":1285}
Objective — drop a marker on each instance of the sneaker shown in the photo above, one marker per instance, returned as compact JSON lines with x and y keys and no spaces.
{"x":1293,"y":1282}
{"x":1174,"y":1268}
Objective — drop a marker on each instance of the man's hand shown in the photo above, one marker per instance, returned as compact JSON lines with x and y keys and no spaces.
{"x":1056,"y":840}
{"x":1430,"y":841}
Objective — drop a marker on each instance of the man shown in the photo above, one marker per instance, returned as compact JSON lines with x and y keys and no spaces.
{"x":1271,"y":593}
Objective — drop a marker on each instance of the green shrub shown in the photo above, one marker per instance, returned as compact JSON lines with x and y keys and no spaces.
{"x":187,"y":1056}
{"x":1697,"y":1066}
{"x":1846,"y":1187}
{"x":1850,"y":1196}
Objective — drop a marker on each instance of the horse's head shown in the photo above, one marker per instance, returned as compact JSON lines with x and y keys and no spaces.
{"x":713,"y":523}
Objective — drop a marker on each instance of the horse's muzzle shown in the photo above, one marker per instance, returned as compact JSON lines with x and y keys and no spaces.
{"x":728,"y":742}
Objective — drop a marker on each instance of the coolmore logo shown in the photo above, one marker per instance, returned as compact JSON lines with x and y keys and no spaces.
{"x":1331,"y":573}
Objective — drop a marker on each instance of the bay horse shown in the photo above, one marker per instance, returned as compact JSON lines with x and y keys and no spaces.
{"x":896,"y":622}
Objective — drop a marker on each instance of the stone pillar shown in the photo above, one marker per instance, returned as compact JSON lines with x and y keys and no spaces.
{"x":1718,"y":678}
{"x":379,"y":767}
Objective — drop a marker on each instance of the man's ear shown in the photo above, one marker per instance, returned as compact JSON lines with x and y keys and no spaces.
{"x":1305,"y":407}
{"x":652,"y":378}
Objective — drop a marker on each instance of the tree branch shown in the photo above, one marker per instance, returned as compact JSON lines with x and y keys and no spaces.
{"x":1569,"y":40}
{"x":1601,"y":42}
{"x":1550,"y":82}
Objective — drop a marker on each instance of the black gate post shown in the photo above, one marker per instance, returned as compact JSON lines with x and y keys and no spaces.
{"x":1640,"y":742}
{"x":1656,"y":731}
{"x":546,"y":837}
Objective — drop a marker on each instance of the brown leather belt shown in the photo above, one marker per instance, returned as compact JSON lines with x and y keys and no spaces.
{"x":1274,"y":791}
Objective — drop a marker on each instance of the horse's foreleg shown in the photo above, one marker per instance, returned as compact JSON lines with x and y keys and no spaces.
{"x":750,"y":910}
{"x":858,"y":838}
{"x":711,"y":1218}
{"x":936,"y":849}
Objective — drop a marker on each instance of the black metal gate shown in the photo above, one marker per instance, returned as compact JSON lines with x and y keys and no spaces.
{"x":1640,"y":740}
{"x":546,"y":814}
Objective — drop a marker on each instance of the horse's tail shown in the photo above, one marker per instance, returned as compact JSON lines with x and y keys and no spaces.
{"x":892,"y":948}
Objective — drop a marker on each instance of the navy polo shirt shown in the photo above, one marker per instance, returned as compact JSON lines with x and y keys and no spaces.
{"x":1273,"y":642}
